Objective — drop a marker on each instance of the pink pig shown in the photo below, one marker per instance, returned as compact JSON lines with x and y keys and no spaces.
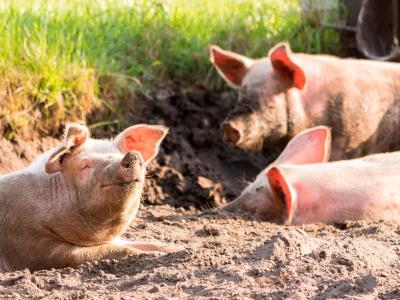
{"x":75,"y":201}
{"x":302,"y":187}
{"x":285,"y":93}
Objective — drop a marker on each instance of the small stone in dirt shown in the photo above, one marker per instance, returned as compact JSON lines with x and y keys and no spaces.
{"x":343,"y":261}
{"x":38,"y":281}
{"x":263,"y":282}
{"x":207,"y":231}
{"x":254,"y":272}
{"x":141,"y":226}
{"x":372,"y":230}
{"x":57,"y":278}
{"x":322,"y":254}
{"x":67,"y":270}
{"x":204,"y":182}
{"x":154,"y":289}
{"x":215,"y":244}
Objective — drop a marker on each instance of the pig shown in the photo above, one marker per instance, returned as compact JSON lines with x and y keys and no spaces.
{"x":301,"y":187}
{"x":285,"y":93}
{"x":75,"y":201}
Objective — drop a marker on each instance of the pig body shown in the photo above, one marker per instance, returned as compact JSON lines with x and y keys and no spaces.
{"x":300,"y":187}
{"x":283,"y":94}
{"x":346,"y":190}
{"x":75,"y":201}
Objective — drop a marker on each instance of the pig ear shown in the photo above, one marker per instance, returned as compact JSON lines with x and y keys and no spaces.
{"x":309,"y":146}
{"x":75,"y":136}
{"x":143,"y":138}
{"x":285,"y":68}
{"x":231,"y":66}
{"x":284,"y":195}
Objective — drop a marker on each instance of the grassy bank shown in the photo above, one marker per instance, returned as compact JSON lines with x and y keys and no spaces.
{"x":59,"y":59}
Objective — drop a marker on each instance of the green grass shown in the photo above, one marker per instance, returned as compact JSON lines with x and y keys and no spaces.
{"x":60,"y":59}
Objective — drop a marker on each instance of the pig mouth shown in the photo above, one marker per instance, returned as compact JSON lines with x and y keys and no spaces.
{"x":119,"y":183}
{"x":252,"y":144}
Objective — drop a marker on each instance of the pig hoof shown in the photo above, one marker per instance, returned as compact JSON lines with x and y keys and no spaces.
{"x":153,"y":247}
{"x":171,"y":248}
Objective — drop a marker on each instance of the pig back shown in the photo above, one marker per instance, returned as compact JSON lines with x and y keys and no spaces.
{"x":360,"y":100}
{"x":345,"y":190}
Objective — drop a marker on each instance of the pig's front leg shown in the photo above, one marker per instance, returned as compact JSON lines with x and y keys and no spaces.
{"x":67,"y":255}
{"x":149,"y":246}
{"x":71,"y":256}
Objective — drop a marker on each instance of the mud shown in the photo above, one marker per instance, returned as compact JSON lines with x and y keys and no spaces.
{"x":230,"y":257}
{"x":18,"y":154}
{"x":224,"y":256}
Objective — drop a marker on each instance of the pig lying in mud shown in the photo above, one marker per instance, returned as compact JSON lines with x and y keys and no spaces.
{"x":285,"y":93}
{"x":75,"y":201}
{"x":302,"y":187}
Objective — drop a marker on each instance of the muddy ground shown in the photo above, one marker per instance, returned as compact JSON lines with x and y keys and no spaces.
{"x":224,"y":256}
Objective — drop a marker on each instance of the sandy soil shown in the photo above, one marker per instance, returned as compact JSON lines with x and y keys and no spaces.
{"x":223,"y":256}
{"x":231,"y":257}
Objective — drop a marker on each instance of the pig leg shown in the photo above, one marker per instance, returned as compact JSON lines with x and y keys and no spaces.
{"x":69,"y":256}
{"x":151,"y":246}
{"x":66,"y":255}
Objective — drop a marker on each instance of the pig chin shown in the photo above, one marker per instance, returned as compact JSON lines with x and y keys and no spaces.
{"x":121,"y":196}
{"x":259,"y":139}
{"x":251,"y":143}
{"x":122,"y":185}
{"x":259,"y":134}
{"x":251,"y":139}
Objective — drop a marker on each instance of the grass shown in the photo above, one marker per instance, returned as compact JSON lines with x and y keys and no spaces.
{"x":61,"y":59}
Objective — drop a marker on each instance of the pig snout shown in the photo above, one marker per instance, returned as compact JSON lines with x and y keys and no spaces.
{"x":232,"y":206}
{"x":231,"y":132}
{"x":131,"y":166}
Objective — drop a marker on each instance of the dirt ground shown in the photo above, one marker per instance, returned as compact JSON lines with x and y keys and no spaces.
{"x":224,"y":256}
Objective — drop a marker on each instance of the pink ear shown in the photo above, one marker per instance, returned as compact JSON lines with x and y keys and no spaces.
{"x":309,"y":146}
{"x":283,"y":194}
{"x":285,"y":68}
{"x":143,"y":138}
{"x":75,"y":136}
{"x":232,"y":66}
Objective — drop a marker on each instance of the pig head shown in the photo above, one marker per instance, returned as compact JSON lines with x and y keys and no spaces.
{"x":302,"y":187}
{"x":285,"y":93}
{"x":74,"y":202}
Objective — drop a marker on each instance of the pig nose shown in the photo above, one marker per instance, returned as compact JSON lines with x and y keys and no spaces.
{"x":230,"y":133}
{"x":131,"y":165}
{"x":130,"y":159}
